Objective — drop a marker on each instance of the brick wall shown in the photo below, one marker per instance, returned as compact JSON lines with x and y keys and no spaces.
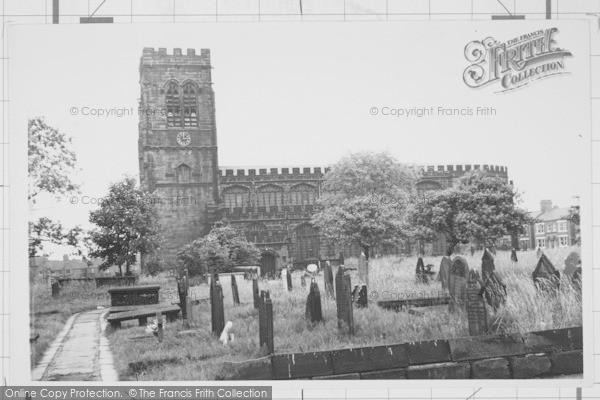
{"x":530,"y":355}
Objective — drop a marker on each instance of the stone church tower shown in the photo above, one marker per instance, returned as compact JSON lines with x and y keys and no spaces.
{"x":178,"y":142}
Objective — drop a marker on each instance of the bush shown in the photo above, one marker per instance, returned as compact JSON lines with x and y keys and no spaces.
{"x":155,"y":266}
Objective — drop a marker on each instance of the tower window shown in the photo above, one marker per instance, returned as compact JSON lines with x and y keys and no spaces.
{"x":303,"y":195}
{"x":236,"y":197}
{"x":270,"y":196}
{"x":182,"y":104}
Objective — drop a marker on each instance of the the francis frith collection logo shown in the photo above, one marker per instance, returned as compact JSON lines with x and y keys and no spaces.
{"x":516,"y":62}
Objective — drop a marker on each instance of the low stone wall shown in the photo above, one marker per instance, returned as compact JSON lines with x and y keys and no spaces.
{"x":531,"y":355}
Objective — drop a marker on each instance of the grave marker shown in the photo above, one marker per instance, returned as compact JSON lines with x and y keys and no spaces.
{"x":55,"y":288}
{"x":444,"y":274}
{"x":255,"y":290}
{"x":234,"y":290}
{"x":572,"y":262}
{"x":576,"y":279}
{"x":361,"y":300}
{"x":420,"y":271}
{"x":265,"y":322}
{"x":303,"y":280}
{"x":284,"y":279}
{"x":289,"y":278}
{"x":314,"y":312}
{"x":545,"y":275}
{"x":477,"y":315}
{"x":159,"y":326}
{"x":183,"y":289}
{"x":363,"y":273}
{"x":328,"y":279}
{"x":217,"y":311}
{"x":343,"y":296}
{"x":513,"y":256}
{"x":457,"y":282}
{"x":494,"y":288}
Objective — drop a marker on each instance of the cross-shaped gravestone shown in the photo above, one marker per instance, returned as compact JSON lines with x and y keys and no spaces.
{"x":457,"y":283}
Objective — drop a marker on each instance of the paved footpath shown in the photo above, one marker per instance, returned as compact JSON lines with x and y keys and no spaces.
{"x":80,"y":352}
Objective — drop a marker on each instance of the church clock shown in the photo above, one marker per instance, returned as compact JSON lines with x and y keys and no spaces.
{"x":183,"y":138}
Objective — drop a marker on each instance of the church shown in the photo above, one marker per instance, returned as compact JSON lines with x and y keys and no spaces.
{"x":178,"y":161}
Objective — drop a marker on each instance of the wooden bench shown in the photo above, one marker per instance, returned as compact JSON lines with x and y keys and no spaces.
{"x":134,"y":295}
{"x":142,"y":315}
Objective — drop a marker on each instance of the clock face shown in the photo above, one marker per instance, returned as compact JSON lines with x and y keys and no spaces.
{"x":183,"y":138}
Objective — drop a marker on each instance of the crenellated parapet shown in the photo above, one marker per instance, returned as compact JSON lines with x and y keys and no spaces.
{"x":463,"y":168}
{"x":150,"y":56}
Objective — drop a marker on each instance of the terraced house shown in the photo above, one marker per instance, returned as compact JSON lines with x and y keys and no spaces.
{"x":552,"y":228}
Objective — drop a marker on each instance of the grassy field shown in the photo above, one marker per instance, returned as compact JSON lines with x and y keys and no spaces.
{"x":198,"y":355}
{"x":48,"y":314}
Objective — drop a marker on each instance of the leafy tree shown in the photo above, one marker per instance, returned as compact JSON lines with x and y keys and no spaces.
{"x":128,"y":225}
{"x":155,"y":266}
{"x":479,"y":207}
{"x":229,"y":246}
{"x":364,"y":201}
{"x":575,"y":218}
{"x":51,"y":162}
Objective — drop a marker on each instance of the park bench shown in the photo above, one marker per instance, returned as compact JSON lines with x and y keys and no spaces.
{"x":134,"y":295}
{"x":142,"y":315}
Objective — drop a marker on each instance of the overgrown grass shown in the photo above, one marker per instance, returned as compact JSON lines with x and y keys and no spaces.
{"x":199,"y":355}
{"x":48,"y":315}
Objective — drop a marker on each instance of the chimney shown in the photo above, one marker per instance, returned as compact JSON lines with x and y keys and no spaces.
{"x":545,"y":205}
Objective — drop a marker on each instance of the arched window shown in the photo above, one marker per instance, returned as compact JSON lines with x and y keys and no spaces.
{"x":173,"y":106}
{"x":303,"y":195}
{"x":269,"y":196}
{"x":182,"y":104}
{"x":426,"y":186}
{"x":183,"y":173}
{"x":236,"y":196}
{"x":190,"y":104}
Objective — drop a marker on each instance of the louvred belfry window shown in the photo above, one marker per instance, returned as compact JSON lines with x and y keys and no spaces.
{"x":173,"y":106}
{"x":182,"y":105}
{"x":190,"y":105}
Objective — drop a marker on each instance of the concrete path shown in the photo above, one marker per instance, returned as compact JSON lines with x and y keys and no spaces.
{"x":79,"y":353}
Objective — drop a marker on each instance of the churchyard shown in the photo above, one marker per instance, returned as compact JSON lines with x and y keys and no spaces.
{"x":189,"y":350}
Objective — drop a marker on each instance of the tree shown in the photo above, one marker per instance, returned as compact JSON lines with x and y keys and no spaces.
{"x":230,"y":248}
{"x":364,"y":201}
{"x":128,"y":225}
{"x":479,"y":207}
{"x":51,"y":162}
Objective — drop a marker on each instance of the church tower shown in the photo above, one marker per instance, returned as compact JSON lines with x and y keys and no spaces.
{"x":178,"y":143}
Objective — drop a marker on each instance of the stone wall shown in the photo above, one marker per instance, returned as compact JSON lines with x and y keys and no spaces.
{"x":530,"y":355}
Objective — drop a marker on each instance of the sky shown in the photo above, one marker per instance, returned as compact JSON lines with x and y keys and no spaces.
{"x":304,"y":95}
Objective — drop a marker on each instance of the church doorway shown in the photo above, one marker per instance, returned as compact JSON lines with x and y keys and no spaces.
{"x":267,"y":264}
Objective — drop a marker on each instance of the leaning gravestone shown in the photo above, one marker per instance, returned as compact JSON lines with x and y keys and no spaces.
{"x":234,"y":290}
{"x":328,"y":279}
{"x":361,"y":298}
{"x":494,"y":288}
{"x":513,"y":256}
{"x":457,"y":283}
{"x":572,"y":262}
{"x":477,"y":315}
{"x":444,"y":273}
{"x":545,"y":275}
{"x":576,"y":279}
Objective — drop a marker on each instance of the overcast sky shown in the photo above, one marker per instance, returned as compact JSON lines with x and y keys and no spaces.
{"x":301,"y":94}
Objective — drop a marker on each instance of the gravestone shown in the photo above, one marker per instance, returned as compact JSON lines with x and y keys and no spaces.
{"x":314,"y":312}
{"x":217,"y":311}
{"x":303,"y":280}
{"x":183,"y":289}
{"x":159,"y":326}
{"x":255,"y":290}
{"x":289,"y":279}
{"x":572,"y":262}
{"x":363,"y":273}
{"x":420,"y":276}
{"x":328,"y":279}
{"x":284,"y":283}
{"x":444,"y":274}
{"x":576,"y":279}
{"x":234,"y":290}
{"x":265,"y":322}
{"x":494,"y":289}
{"x":539,"y":252}
{"x":477,"y":315}
{"x":472,"y":250}
{"x":513,"y":256}
{"x":55,"y":288}
{"x":343,"y":297}
{"x":457,"y":282}
{"x":545,"y":275}
{"x":341,"y":258}
{"x":361,"y":298}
